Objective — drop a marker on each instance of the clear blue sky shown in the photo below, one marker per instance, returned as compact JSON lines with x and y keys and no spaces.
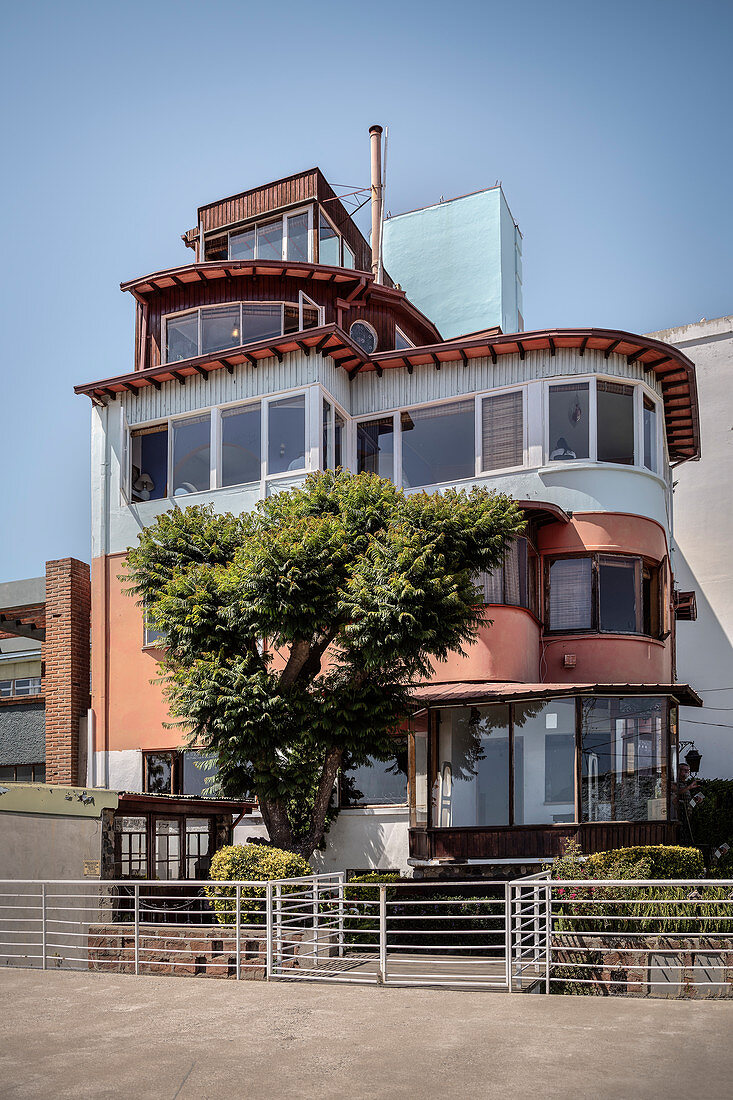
{"x":609,"y":125}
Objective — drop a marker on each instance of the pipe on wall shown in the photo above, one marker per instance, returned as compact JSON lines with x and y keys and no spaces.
{"x":375,"y":135}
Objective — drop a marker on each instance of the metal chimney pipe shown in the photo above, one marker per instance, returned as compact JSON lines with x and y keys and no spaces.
{"x":375,"y":135}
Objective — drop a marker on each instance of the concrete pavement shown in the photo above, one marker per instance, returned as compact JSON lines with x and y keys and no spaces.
{"x":80,"y":1035}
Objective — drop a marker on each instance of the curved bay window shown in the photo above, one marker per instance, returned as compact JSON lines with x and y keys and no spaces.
{"x":606,"y":594}
{"x":210,"y":329}
{"x":513,"y":583}
{"x":542,"y":762}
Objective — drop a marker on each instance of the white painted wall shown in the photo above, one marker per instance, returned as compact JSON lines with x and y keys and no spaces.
{"x":703,"y":526}
{"x":369,"y":838}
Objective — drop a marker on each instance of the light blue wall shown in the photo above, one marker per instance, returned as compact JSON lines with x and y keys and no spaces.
{"x":458,"y":262}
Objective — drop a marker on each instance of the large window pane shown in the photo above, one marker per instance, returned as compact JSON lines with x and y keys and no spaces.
{"x":438,"y":444}
{"x":615,"y":403}
{"x":242,"y":245}
{"x":327,"y":436}
{"x":131,"y":844}
{"x":569,"y":406}
{"x":375,"y":447}
{"x":619,"y":595}
{"x":149,"y":472}
{"x":502,"y":431}
{"x":159,"y":769}
{"x":220,"y":328}
{"x":377,"y":782}
{"x":298,"y":237}
{"x":570,"y":594}
{"x":472,"y":786}
{"x":650,"y":435}
{"x":286,"y":435}
{"x":270,"y":241}
{"x":241,"y":461}
{"x":261,"y":321}
{"x":182,"y":337}
{"x":349,"y":258}
{"x":191,"y":455}
{"x":624,"y":759}
{"x":544,"y":762}
{"x":328,"y":243}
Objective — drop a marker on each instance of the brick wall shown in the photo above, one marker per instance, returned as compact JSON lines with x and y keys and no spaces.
{"x":66,"y":666}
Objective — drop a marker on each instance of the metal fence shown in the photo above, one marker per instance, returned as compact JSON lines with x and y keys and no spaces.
{"x":650,"y":937}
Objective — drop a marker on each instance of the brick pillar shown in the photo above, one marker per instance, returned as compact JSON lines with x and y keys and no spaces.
{"x":66,"y":666}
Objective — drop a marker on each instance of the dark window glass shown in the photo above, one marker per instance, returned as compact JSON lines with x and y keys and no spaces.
{"x":571,"y":587}
{"x":160,"y":773}
{"x":6,"y":689}
{"x":650,"y":435}
{"x":240,"y":445}
{"x":338,"y":436}
{"x":220,"y":328}
{"x":615,"y":403}
{"x":39,"y":773}
{"x":149,"y":473}
{"x":569,"y":406}
{"x":286,"y":435}
{"x":191,"y":455}
{"x":375,"y":447}
{"x":619,"y":595}
{"x":377,"y":782}
{"x":200,"y":774}
{"x":438,"y":444}
{"x":216,"y":248}
{"x":182,"y":337}
{"x":261,"y":321}
{"x":327,"y":433}
{"x":401,"y":342}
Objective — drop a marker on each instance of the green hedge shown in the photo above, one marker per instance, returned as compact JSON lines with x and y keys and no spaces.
{"x":414,"y":922}
{"x":664,"y":861}
{"x":250,"y":863}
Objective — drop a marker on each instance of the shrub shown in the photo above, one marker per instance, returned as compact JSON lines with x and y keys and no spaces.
{"x":413,"y":921}
{"x":663,"y":860}
{"x":250,"y":863}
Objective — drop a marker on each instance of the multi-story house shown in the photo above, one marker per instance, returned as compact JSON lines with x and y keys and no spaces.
{"x":274,"y":351}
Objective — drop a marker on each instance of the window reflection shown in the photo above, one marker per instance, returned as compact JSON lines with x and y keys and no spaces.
{"x":544,"y":762}
{"x":568,"y":407}
{"x":376,"y":782}
{"x":472,"y":783}
{"x":191,"y":455}
{"x":615,"y":411}
{"x":624,"y":759}
{"x":286,"y":432}
{"x":240,"y":445}
{"x":375,"y":447}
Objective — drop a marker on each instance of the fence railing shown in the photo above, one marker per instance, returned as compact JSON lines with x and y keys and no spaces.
{"x":650,"y":937}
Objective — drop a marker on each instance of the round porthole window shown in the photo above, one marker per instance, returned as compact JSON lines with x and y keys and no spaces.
{"x":364,"y":336}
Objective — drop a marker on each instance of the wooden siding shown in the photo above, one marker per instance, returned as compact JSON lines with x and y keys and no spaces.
{"x":262,"y":288}
{"x":292,"y":191}
{"x":536,"y":841}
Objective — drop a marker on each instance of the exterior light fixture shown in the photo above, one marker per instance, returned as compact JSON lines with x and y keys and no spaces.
{"x":694,"y":759}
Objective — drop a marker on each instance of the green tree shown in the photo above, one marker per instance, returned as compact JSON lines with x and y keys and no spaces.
{"x":355,"y":586}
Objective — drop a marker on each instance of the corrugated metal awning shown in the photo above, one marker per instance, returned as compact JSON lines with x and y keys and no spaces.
{"x":478,"y":691}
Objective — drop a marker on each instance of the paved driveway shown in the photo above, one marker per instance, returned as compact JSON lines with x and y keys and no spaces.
{"x":94,"y":1035}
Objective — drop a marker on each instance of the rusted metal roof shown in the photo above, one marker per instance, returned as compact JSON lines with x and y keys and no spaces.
{"x":477,"y":691}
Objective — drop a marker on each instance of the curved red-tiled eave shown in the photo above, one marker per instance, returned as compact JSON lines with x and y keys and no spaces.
{"x":358,"y":285}
{"x":674,"y":371}
{"x":327,"y":340}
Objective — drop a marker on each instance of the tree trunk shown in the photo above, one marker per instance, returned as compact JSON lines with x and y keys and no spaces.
{"x":277,"y":822}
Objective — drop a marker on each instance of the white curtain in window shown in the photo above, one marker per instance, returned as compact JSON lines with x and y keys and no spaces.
{"x":570,"y":594}
{"x":502,"y":431}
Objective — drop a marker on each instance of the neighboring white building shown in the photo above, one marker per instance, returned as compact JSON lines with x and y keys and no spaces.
{"x":703,"y":526}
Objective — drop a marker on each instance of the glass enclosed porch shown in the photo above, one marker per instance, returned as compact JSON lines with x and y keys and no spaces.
{"x":513,"y":780}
